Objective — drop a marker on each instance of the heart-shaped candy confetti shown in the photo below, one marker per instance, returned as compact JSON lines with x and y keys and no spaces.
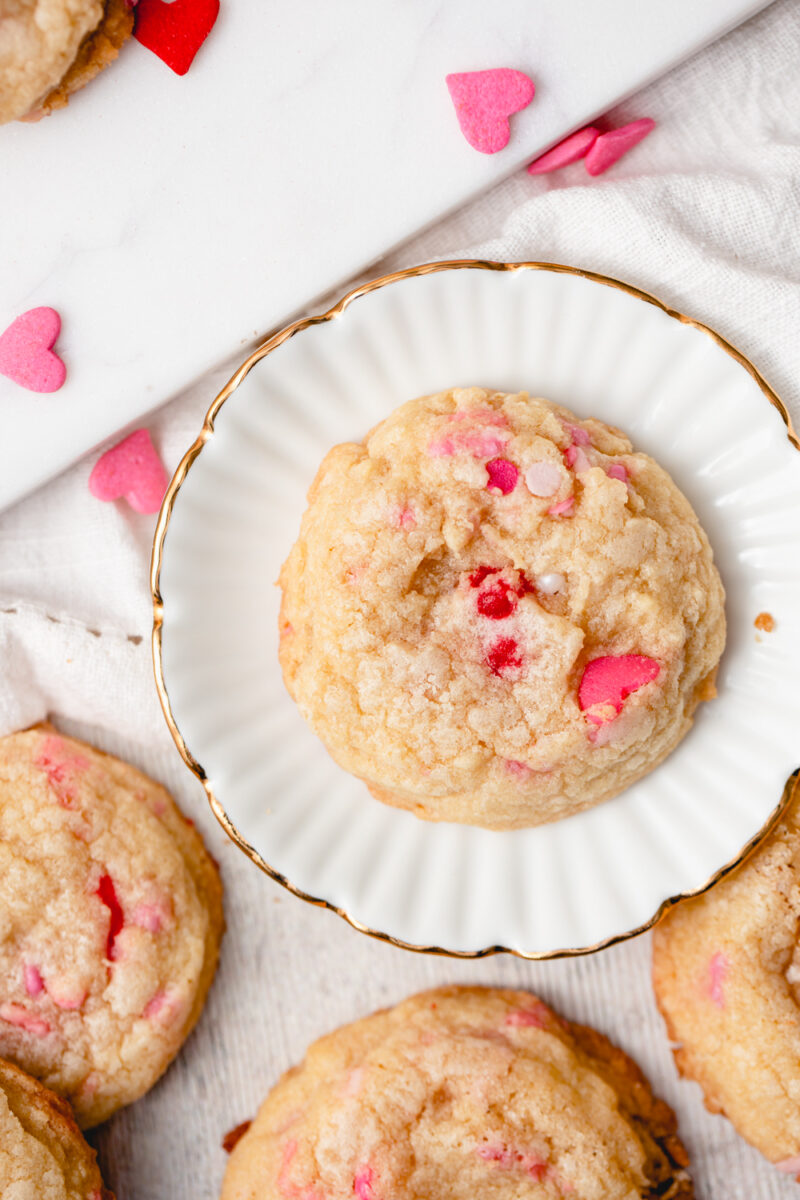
{"x":607,"y":681}
{"x":176,"y":31}
{"x":26,"y":354}
{"x":566,"y":152}
{"x":484,"y":100}
{"x":131,"y":470}
{"x":609,"y":147}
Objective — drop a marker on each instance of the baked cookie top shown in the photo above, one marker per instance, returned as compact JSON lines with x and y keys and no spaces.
{"x":39,"y":41}
{"x":496,"y":613}
{"x":726,"y":971}
{"x":110,"y":921}
{"x":459,"y":1093}
{"x":43,"y":1154}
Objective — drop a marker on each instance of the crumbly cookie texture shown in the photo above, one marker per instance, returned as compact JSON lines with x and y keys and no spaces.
{"x":43,"y":1154}
{"x":39,"y":40}
{"x":726,"y":971}
{"x":458,"y":1093}
{"x":110,"y":922}
{"x":96,"y":52}
{"x":496,"y":613}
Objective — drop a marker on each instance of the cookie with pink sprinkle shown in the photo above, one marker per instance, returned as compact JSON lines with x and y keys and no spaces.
{"x":496,"y":612}
{"x":112,"y":918}
{"x":461,"y":1092}
{"x":43,"y":1154}
{"x":726,"y":972}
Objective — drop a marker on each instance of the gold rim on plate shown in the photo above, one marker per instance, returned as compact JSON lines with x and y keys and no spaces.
{"x":207,"y":431}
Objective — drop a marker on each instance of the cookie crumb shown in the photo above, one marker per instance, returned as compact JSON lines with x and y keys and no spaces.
{"x":765,"y":621}
{"x":235,"y":1135}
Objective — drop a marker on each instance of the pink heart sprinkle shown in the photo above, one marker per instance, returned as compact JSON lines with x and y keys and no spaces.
{"x":26,"y":353}
{"x":33,"y":980}
{"x":543,"y":479}
{"x":484,"y":100}
{"x":503,"y":475}
{"x":566,"y":152}
{"x":606,"y":682}
{"x":131,"y":470}
{"x":578,"y":434}
{"x":610,"y":147}
{"x":536,"y":1016}
{"x":562,"y":508}
{"x":576,"y":458}
{"x":617,"y":471}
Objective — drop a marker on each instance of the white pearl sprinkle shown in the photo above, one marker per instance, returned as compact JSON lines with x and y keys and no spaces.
{"x":550,"y":584}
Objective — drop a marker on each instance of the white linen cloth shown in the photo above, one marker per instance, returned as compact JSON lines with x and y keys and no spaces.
{"x":705,"y":213}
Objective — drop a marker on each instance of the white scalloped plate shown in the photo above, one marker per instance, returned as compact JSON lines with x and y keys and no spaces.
{"x":233,"y":511}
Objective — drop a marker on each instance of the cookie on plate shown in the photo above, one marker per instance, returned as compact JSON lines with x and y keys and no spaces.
{"x":726,"y":972}
{"x":43,"y":1154}
{"x":51,"y":48}
{"x":110,"y":922}
{"x":496,"y":613}
{"x":461,"y":1092}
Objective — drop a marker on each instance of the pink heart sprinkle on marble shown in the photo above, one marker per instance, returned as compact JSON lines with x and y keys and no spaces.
{"x":503,"y":475}
{"x":566,"y":152}
{"x":484,"y":100}
{"x":611,"y":146}
{"x":131,"y":470}
{"x":26,"y":351}
{"x":606,"y":682}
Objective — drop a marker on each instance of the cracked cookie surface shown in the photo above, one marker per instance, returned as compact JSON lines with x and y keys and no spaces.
{"x":461,"y":1092}
{"x":496,"y":613}
{"x":110,"y":922}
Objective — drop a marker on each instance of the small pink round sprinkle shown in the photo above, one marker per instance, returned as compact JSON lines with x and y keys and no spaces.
{"x":33,"y":980}
{"x":543,"y":479}
{"x":618,"y":471}
{"x":503,"y":475}
{"x":562,"y":508}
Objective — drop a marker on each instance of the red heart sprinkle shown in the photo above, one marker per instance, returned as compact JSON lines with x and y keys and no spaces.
{"x":175,"y":32}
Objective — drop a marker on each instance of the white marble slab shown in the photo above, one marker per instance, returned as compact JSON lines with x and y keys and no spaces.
{"x":173,"y":221}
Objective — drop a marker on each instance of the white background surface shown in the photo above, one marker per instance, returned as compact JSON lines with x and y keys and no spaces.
{"x":172,"y":220}
{"x":705,"y":214}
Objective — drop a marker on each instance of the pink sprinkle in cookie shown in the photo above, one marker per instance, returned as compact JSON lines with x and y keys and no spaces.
{"x":537,"y":610}
{"x":112,"y":919}
{"x":484,"y":100}
{"x":726,"y":973}
{"x":460,"y":1100}
{"x":43,"y":1154}
{"x":569,"y":151}
{"x":132,"y":471}
{"x":26,"y":351}
{"x":609,"y":147}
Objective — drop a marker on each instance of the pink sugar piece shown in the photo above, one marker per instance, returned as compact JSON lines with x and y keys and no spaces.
{"x":610,"y":147}
{"x":543,"y":479}
{"x":607,"y":681}
{"x":32,"y":978}
{"x":535,"y":1015}
{"x":149,"y":917}
{"x":61,"y":768}
{"x":578,"y":434}
{"x":480,"y":443}
{"x":618,"y":471}
{"x":353,"y":1081}
{"x":26,"y":351}
{"x":15,"y":1014}
{"x":363,"y":1184}
{"x":503,"y":475}
{"x":484,"y":101}
{"x":563,"y":508}
{"x":717,"y":971}
{"x":403,"y":518}
{"x":479,"y":416}
{"x":519,"y":770}
{"x":163,"y":1006}
{"x":790,"y":1166}
{"x":132,"y":471}
{"x":509,"y":1158}
{"x":566,"y":152}
{"x":576,"y":458}
{"x":67,"y":999}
